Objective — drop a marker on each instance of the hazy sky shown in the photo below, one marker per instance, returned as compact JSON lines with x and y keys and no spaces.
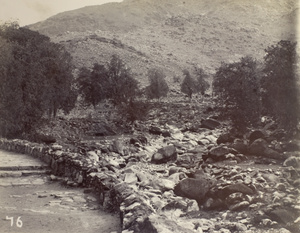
{"x":32,"y":11}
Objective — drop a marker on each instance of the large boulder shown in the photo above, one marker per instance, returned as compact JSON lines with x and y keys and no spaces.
{"x":194,"y":188}
{"x":260,"y":147}
{"x":165,"y":154}
{"x":286,"y":217}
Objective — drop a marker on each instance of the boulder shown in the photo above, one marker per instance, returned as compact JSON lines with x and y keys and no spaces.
{"x":164,"y":155}
{"x":130,"y":178}
{"x":155,"y":130}
{"x":56,"y":147}
{"x":283,"y":216}
{"x":174,"y":169}
{"x":292,"y":161}
{"x":161,"y":224}
{"x":162,"y":184}
{"x":93,"y":156}
{"x":118,"y":146}
{"x":166,"y":133}
{"x":209,"y":124}
{"x":194,"y":188}
{"x":255,"y":134}
{"x":260,"y":148}
{"x":239,"y":146}
{"x":176,"y":204}
{"x":234,"y":188}
{"x":188,"y":160}
{"x":225,"y":138}
{"x":292,"y":146}
{"x":217,"y":153}
{"x":176,"y":177}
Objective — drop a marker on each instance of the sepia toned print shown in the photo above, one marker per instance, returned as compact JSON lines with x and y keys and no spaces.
{"x":149,"y":116}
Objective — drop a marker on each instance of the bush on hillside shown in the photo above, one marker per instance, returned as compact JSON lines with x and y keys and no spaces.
{"x":120,"y":86}
{"x":190,"y":85}
{"x":201,"y":81}
{"x":237,"y":90}
{"x":158,"y":86}
{"x":133,"y":110}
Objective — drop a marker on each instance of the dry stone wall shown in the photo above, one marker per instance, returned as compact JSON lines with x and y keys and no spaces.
{"x":115,"y":195}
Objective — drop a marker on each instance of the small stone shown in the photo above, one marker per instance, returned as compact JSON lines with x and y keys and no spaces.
{"x":53,"y":177}
{"x":283,"y":230}
{"x":130,"y":178}
{"x":266,"y":222}
{"x":79,"y":199}
{"x":80,"y":179}
{"x":239,"y":206}
{"x":56,"y":147}
{"x":42,"y":195}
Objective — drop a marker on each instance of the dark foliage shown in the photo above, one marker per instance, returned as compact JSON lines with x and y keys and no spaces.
{"x":120,"y":86}
{"x":158,"y":86}
{"x":36,"y":78}
{"x":280,"y":85}
{"x":92,"y":84}
{"x":201,"y":84}
{"x":188,"y":85}
{"x":134,"y":110}
{"x":236,"y":87}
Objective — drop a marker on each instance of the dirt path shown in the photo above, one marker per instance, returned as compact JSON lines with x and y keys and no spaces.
{"x":34,"y":204}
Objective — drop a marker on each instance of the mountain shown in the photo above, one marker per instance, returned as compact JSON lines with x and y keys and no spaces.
{"x":172,"y":34}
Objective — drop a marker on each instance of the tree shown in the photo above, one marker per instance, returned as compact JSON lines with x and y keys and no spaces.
{"x":158,"y":86}
{"x":92,"y":84}
{"x":188,"y":85}
{"x":236,"y":86}
{"x":120,"y":86}
{"x":35,"y":79}
{"x":280,"y":86}
{"x":201,"y":84}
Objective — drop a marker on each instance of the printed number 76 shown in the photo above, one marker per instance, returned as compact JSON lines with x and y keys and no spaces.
{"x":19,"y":222}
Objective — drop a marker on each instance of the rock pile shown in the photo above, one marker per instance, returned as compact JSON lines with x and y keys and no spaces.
{"x":179,"y":180}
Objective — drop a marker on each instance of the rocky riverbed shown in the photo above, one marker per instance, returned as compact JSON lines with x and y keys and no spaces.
{"x":204,"y":181}
{"x":183,"y":173}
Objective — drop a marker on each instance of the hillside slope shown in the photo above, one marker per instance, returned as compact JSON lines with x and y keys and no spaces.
{"x":172,"y":34}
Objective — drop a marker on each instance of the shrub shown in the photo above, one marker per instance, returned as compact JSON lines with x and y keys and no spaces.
{"x":236,"y":87}
{"x":134,"y":110}
{"x":188,"y":85}
{"x":279,"y":83}
{"x":158,"y":86}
